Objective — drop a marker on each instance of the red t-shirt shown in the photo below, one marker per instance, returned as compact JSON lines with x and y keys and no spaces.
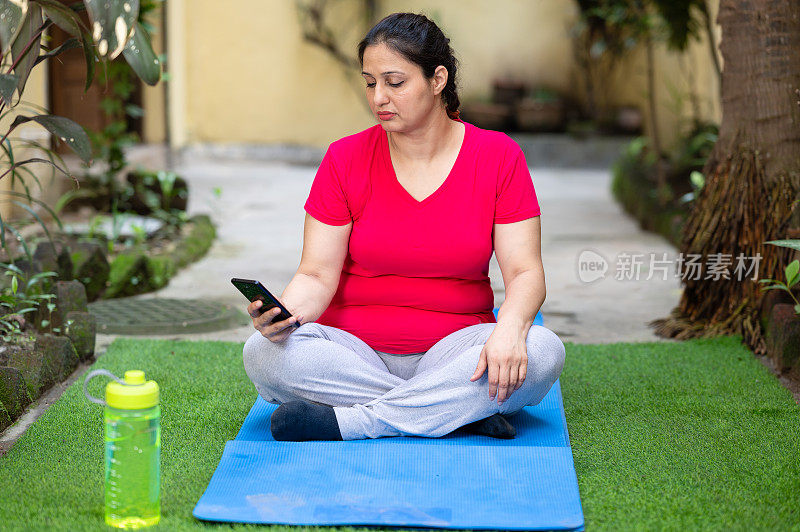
{"x":418,"y":271}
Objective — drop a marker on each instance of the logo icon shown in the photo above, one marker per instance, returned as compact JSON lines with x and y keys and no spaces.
{"x":591,"y":266}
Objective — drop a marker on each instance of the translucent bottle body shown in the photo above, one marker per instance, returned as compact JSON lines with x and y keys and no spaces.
{"x":133,"y":467}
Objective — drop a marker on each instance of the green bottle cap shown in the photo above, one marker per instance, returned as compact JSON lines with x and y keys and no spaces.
{"x":135,"y":394}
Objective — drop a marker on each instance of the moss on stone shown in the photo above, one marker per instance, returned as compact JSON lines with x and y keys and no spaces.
{"x":14,"y":395}
{"x":197,"y":242}
{"x":163,"y":268}
{"x":132,"y":272}
{"x":82,"y":332}
{"x":92,"y":269}
{"x":5,"y":419}
{"x":129,"y":275}
{"x":78,"y":258}
{"x":41,"y":368}
{"x":60,"y":351}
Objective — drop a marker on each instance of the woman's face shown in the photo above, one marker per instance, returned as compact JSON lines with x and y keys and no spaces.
{"x":399,"y":95}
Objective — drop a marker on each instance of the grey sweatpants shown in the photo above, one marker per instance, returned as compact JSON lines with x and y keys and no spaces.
{"x":379,"y":394}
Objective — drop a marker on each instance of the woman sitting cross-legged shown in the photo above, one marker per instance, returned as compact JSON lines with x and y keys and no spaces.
{"x":393,"y":331}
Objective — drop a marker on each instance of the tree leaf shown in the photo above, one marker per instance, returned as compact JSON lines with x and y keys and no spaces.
{"x":88,"y":55}
{"x":134,"y":111}
{"x":3,"y":224}
{"x":33,"y":213}
{"x":793,"y":244}
{"x":68,"y":131}
{"x":13,"y":13}
{"x":69,"y":44}
{"x":140,"y":56}
{"x":62,"y":16}
{"x":697,"y":179}
{"x":21,"y":240}
{"x":67,"y":18}
{"x":26,"y":58}
{"x":774,"y":287}
{"x":11,"y":269}
{"x":112,"y":24}
{"x":72,"y":195}
{"x":8,"y":84}
{"x":792,"y":273}
{"x":33,"y":160}
{"x":39,"y":202}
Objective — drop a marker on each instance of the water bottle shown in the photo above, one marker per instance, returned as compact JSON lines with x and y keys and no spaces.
{"x":132,"y":449}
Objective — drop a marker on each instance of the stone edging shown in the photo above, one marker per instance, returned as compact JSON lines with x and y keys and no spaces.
{"x":135,"y":272}
{"x":29,"y":369}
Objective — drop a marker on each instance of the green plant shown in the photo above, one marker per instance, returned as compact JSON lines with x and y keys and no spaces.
{"x":23,"y":26}
{"x":792,"y":273}
{"x":690,"y":154}
{"x":139,"y":234}
{"x":692,"y":150}
{"x":15,"y":302}
{"x":638,"y":150}
{"x":94,"y":226}
{"x":160,"y":202}
{"x":698,"y":181}
{"x":48,"y":323}
{"x":109,"y":144}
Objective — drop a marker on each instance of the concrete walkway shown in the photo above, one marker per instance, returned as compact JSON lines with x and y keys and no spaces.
{"x":259,"y":216}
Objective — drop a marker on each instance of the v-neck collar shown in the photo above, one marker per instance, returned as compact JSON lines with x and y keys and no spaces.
{"x":387,"y":156}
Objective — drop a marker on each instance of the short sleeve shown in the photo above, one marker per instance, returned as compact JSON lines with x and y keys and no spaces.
{"x":327,"y":201}
{"x":516,"y":197}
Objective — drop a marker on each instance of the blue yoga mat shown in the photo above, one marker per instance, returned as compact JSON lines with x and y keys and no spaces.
{"x":460,"y":480}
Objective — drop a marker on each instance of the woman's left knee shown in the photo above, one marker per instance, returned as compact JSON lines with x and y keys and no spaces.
{"x":546,"y":353}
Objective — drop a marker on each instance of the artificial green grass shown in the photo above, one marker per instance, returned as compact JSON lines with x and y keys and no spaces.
{"x":693,"y":435}
{"x":682,"y":436}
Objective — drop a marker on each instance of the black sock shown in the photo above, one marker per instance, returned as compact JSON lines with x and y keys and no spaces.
{"x":303,"y":421}
{"x":495,"y":426}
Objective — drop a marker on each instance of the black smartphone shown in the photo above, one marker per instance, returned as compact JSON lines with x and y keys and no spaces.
{"x":254,"y":291}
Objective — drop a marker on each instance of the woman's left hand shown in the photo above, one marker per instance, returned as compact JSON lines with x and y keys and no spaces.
{"x":505,"y":355}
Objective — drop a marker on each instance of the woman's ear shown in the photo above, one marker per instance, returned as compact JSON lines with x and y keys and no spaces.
{"x":439,"y":80}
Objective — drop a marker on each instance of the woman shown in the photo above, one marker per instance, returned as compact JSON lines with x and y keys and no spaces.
{"x":398,"y":336}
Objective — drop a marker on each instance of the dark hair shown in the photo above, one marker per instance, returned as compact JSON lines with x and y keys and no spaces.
{"x":419,"y":40}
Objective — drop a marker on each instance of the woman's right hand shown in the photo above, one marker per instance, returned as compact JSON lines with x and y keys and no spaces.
{"x":274,"y":332}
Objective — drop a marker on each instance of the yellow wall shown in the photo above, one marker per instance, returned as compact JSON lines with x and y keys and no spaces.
{"x":245,"y":75}
{"x":523,"y":41}
{"x":153,"y":97}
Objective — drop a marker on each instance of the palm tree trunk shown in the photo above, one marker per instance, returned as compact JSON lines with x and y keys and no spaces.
{"x":752,"y":175}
